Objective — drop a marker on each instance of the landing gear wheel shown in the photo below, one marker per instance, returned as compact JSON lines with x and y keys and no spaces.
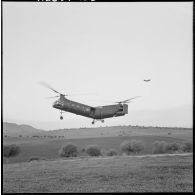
{"x":61,"y":117}
{"x":93,"y":122}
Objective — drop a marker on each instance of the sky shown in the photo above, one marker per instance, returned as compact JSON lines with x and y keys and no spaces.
{"x":106,"y":49}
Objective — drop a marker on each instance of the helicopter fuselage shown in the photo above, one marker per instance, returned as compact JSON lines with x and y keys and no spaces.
{"x":99,"y":113}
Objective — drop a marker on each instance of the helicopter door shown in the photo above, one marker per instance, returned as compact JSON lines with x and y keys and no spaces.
{"x":121,"y":108}
{"x":92,"y":111}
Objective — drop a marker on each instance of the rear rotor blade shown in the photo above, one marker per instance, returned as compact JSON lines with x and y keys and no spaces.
{"x":128,"y":100}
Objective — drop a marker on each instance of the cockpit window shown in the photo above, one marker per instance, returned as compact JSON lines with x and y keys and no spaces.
{"x":58,"y":103}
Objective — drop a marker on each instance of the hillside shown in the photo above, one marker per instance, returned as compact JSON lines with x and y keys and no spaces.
{"x":14,"y":130}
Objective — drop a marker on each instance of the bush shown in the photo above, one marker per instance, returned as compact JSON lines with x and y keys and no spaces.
{"x":83,"y":150}
{"x":11,"y":150}
{"x":132,"y":146}
{"x":33,"y":158}
{"x":93,"y":150}
{"x":68,"y":150}
{"x":172,"y":147}
{"x":159,"y":147}
{"x":111,"y":152}
{"x":187,"y":147}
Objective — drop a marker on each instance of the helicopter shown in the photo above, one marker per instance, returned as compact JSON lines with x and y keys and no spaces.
{"x":99,"y":113}
{"x":147,"y":80}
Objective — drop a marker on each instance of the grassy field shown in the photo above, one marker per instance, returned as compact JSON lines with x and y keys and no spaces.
{"x":113,"y":174}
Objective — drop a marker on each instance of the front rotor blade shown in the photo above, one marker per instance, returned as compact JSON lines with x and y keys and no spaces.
{"x":52,"y":97}
{"x":78,"y":94}
{"x":46,"y":85}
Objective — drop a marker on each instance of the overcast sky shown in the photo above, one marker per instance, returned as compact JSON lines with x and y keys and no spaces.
{"x":102,"y":48}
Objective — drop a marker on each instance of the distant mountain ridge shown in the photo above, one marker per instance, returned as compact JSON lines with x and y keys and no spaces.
{"x":13,"y":129}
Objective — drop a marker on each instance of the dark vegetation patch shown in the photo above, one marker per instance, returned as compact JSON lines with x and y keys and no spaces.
{"x":132,"y":146}
{"x":187,"y":147}
{"x":93,"y":150}
{"x":34,"y":158}
{"x":111,"y":152}
{"x":68,"y":150}
{"x":11,"y":150}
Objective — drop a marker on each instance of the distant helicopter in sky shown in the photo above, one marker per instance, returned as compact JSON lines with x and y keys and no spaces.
{"x":96,"y":113}
{"x":147,"y":80}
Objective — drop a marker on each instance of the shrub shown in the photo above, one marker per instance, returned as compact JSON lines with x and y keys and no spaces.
{"x":187,"y":147}
{"x":83,"y":150}
{"x":159,"y":147}
{"x":93,"y":150}
{"x":172,"y":147}
{"x":111,"y":152}
{"x":131,"y":146}
{"x":137,"y":146}
{"x":68,"y":150}
{"x":125,"y":147}
{"x":33,"y":158}
{"x":11,"y":150}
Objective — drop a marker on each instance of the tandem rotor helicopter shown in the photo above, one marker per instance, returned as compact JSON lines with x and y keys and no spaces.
{"x":96,"y":113}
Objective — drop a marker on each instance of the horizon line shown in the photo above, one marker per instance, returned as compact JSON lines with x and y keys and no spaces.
{"x":142,"y":126}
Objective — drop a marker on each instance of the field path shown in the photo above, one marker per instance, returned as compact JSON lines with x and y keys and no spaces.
{"x":136,"y":156}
